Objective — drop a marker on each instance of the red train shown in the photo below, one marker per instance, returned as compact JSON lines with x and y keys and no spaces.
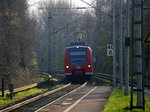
{"x":78,"y":62}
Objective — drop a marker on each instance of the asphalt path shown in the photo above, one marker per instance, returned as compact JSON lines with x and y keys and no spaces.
{"x":87,"y":99}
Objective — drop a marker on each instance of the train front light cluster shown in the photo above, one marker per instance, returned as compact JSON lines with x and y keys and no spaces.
{"x":89,"y":66}
{"x":67,"y":66}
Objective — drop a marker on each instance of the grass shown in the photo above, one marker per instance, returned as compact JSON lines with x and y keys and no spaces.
{"x":6,"y":101}
{"x":120,"y":103}
{"x":147,"y":80}
{"x":23,"y":95}
{"x":44,"y":77}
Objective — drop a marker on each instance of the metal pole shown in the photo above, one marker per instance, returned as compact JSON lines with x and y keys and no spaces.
{"x":121,"y":49}
{"x":2,"y":87}
{"x":138,"y":52}
{"x":114,"y":43}
{"x":127,"y":50}
{"x":49,"y":42}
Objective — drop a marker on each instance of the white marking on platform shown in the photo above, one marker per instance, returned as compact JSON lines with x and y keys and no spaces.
{"x":69,"y":99}
{"x":61,"y":97}
{"x":68,"y":109}
{"x":65,"y":104}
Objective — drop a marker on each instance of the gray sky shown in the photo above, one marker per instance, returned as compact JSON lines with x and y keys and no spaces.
{"x":75,"y":2}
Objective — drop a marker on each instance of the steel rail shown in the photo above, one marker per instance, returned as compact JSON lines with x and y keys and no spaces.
{"x":20,"y":88}
{"x":13,"y":107}
{"x":110,"y":78}
{"x":83,"y":85}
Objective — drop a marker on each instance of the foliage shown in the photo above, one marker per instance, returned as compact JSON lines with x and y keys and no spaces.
{"x":48,"y":83}
{"x":27,"y":45}
{"x":17,"y":46}
{"x":43,"y":77}
{"x":59,"y":32}
{"x":102,"y":37}
{"x":54,"y":33}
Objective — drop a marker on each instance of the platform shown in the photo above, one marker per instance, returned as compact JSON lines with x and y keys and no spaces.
{"x":88,"y":99}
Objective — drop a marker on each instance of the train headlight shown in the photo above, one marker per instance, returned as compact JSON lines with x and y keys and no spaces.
{"x":67,"y":66}
{"x":89,"y":66}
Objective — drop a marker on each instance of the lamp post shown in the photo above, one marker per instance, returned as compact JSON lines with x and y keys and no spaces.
{"x":121,"y":49}
{"x":49,"y":64}
{"x":127,"y":49}
{"x":2,"y":87}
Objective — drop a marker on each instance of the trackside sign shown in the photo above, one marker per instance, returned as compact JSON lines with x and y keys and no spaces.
{"x":110,"y":50}
{"x":147,"y":38}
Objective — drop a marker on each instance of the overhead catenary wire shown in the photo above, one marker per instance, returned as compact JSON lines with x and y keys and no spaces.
{"x":96,"y":8}
{"x":64,"y":27}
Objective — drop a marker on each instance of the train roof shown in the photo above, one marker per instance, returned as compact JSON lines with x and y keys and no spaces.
{"x":77,"y":45}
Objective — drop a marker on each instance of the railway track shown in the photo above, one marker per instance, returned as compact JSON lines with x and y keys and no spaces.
{"x":33,"y":99}
{"x":20,"y":88}
{"x":107,"y":77}
{"x":31,"y":105}
{"x":35,"y":103}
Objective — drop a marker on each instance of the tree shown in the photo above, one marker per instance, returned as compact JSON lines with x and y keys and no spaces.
{"x":14,"y":42}
{"x":102,"y":36}
{"x":56,"y":33}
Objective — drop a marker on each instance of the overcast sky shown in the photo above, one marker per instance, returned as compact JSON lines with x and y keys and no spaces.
{"x":74,"y":2}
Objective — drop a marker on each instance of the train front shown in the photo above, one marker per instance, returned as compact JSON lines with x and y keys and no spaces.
{"x":78,"y":62}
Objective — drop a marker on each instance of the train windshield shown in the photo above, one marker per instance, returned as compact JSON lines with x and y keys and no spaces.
{"x":78,"y":57}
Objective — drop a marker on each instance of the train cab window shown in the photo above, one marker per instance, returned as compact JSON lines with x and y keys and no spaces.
{"x":78,"y":57}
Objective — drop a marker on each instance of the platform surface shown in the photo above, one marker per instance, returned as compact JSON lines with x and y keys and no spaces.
{"x":88,"y":99}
